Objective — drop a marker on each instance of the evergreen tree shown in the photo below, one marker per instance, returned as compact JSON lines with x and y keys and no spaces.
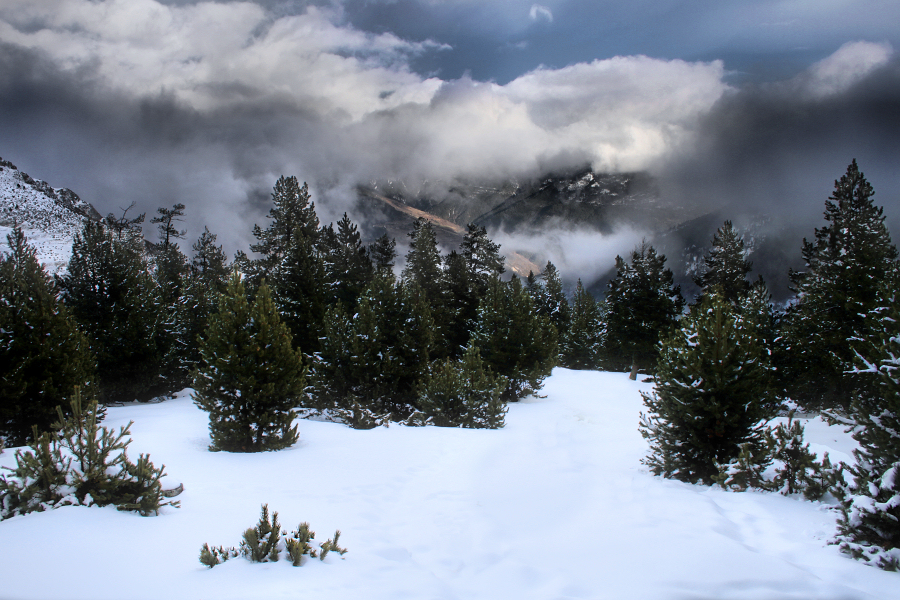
{"x":713,"y":390}
{"x":298,"y":286}
{"x":207,"y":277}
{"x":513,"y":339}
{"x":482,"y":258}
{"x":374,"y":358}
{"x":582,"y":347}
{"x":382,"y":253}
{"x":293,"y":210}
{"x":467,"y":276}
{"x":642,"y":306}
{"x":845,"y":264}
{"x":348,"y":268}
{"x":550,"y":299}
{"x":725,"y":268}
{"x":463,"y":394}
{"x":423,"y":262}
{"x":251,"y":378}
{"x":116,"y":303}
{"x":870,"y":525}
{"x":43,"y":355}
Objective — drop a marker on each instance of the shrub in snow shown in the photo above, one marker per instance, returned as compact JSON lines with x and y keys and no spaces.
{"x":869,"y":528}
{"x":265,"y":542}
{"x":713,"y":393}
{"x":260,"y":543}
{"x":251,"y":378}
{"x":463,"y":394}
{"x":81,"y":463}
{"x":796,"y":468}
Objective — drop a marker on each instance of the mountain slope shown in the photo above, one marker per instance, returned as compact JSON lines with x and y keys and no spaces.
{"x":49,"y":217}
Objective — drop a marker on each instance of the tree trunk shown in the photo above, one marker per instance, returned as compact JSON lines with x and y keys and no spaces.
{"x":634,"y":369}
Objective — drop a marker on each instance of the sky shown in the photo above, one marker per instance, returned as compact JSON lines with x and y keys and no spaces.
{"x":751,"y":103}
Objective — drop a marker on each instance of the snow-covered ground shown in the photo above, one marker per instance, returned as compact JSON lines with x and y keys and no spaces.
{"x":555,"y":505}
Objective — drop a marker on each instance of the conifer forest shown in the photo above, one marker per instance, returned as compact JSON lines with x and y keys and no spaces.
{"x":310,"y":325}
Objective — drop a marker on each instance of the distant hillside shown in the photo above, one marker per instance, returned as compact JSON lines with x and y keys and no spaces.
{"x":49,"y":217}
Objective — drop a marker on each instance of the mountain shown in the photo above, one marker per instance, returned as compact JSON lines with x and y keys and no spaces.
{"x":50,"y":217}
{"x":580,"y":200}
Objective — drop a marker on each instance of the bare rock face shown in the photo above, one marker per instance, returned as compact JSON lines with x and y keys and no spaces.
{"x":49,"y":217}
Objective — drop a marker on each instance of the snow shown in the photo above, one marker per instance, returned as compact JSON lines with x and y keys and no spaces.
{"x":554,"y":505}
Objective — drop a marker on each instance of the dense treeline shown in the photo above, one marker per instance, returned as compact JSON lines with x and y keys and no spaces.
{"x":315,"y":320}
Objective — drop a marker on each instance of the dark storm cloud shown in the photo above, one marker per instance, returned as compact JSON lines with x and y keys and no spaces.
{"x":777,"y":148}
{"x":208,"y":104}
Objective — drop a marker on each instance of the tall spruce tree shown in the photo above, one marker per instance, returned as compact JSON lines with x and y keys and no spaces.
{"x":293,"y":210}
{"x":869,"y":528}
{"x":724,"y":267}
{"x":513,"y":339}
{"x":383,"y":251}
{"x":845,"y":264}
{"x":44,"y":358}
{"x":550,"y":299}
{"x":116,"y":303}
{"x":298,"y":286}
{"x":348,"y":268}
{"x":582,"y":347}
{"x":207,"y":278}
{"x":251,"y":377}
{"x":714,"y":389}
{"x":642,"y":305}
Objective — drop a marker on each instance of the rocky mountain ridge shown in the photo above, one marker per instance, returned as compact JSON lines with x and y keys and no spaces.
{"x":50,"y":217}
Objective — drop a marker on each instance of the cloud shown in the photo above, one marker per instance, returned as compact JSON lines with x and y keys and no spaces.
{"x":851,"y":63}
{"x":539,"y":12}
{"x":241,"y":95}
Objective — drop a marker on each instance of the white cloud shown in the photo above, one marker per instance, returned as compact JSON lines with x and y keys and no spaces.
{"x":367,"y":113}
{"x":539,"y":12}
{"x":849,"y":64}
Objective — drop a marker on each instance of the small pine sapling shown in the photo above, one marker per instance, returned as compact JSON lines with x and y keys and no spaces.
{"x":82,"y":463}
{"x":297,"y":543}
{"x":747,"y":470}
{"x":216,"y":555}
{"x":799,"y":472}
{"x":330,"y":545}
{"x":260,"y":543}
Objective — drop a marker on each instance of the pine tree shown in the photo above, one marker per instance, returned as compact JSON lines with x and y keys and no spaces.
{"x":298,"y":287}
{"x":116,"y":303}
{"x":514,"y":340}
{"x":423,"y":262}
{"x":463,"y":394}
{"x":582,"y":347}
{"x":375,"y":357}
{"x":348,"y":268}
{"x":870,"y":525}
{"x":642,"y":305}
{"x":725,"y":268}
{"x":383,"y":252}
{"x":293,"y":210}
{"x":251,"y":378}
{"x":713,"y":390}
{"x":845,"y":264}
{"x":467,"y":276}
{"x":550,"y":299}
{"x":43,"y":355}
{"x":207,"y":277}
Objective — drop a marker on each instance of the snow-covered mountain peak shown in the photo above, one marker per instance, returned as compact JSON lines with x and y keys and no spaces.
{"x":49,"y":217}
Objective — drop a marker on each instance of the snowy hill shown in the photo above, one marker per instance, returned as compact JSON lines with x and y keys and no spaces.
{"x":49,"y":217}
{"x":554,"y":505}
